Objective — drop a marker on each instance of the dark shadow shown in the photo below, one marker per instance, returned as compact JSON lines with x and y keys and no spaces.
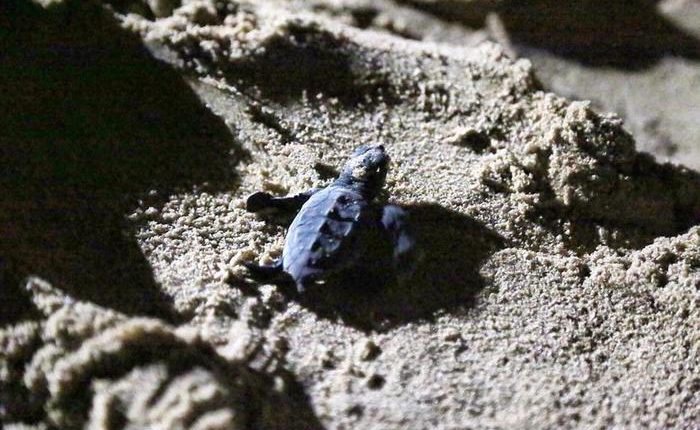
{"x":15,"y":303}
{"x":290,"y":409}
{"x":470,"y":13}
{"x":310,"y":61}
{"x":91,"y":123}
{"x":453,"y":247}
{"x":368,"y":298}
{"x":618,"y":33}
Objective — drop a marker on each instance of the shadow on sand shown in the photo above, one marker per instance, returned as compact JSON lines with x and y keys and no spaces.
{"x":623,"y":34}
{"x":91,"y":123}
{"x":290,"y":410}
{"x":453,"y":246}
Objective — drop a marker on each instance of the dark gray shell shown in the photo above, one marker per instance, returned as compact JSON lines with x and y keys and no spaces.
{"x":328,"y":235}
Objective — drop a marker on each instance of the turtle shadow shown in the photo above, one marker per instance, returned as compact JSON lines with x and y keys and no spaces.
{"x":453,"y":248}
{"x":93,"y":126}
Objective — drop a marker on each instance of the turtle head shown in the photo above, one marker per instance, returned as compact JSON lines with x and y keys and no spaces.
{"x":366,"y":169}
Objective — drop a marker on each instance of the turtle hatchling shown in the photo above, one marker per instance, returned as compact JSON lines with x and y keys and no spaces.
{"x":341,"y":232}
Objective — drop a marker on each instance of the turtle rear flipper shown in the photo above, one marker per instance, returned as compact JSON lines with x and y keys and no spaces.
{"x":271,"y":273}
{"x":262,"y":201}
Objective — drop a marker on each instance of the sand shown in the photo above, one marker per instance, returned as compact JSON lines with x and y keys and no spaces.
{"x":560,"y":287}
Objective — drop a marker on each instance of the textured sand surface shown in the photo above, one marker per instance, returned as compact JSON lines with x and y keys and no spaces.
{"x":649,"y":77}
{"x":561,"y":284}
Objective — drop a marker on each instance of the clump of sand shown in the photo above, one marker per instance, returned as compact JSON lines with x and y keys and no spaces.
{"x":562,"y":270}
{"x":89,"y":367}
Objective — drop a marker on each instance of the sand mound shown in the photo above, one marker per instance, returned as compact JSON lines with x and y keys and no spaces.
{"x":89,"y":367}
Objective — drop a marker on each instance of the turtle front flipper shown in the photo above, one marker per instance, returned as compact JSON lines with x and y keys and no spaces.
{"x":407,"y":253}
{"x":260,"y":201}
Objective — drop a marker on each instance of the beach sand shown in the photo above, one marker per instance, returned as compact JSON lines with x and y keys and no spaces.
{"x":561,"y":281}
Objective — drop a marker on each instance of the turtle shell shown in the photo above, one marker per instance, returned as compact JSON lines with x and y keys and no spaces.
{"x":331,"y":233}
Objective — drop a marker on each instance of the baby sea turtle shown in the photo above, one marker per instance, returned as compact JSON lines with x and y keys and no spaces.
{"x":342,"y":232}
